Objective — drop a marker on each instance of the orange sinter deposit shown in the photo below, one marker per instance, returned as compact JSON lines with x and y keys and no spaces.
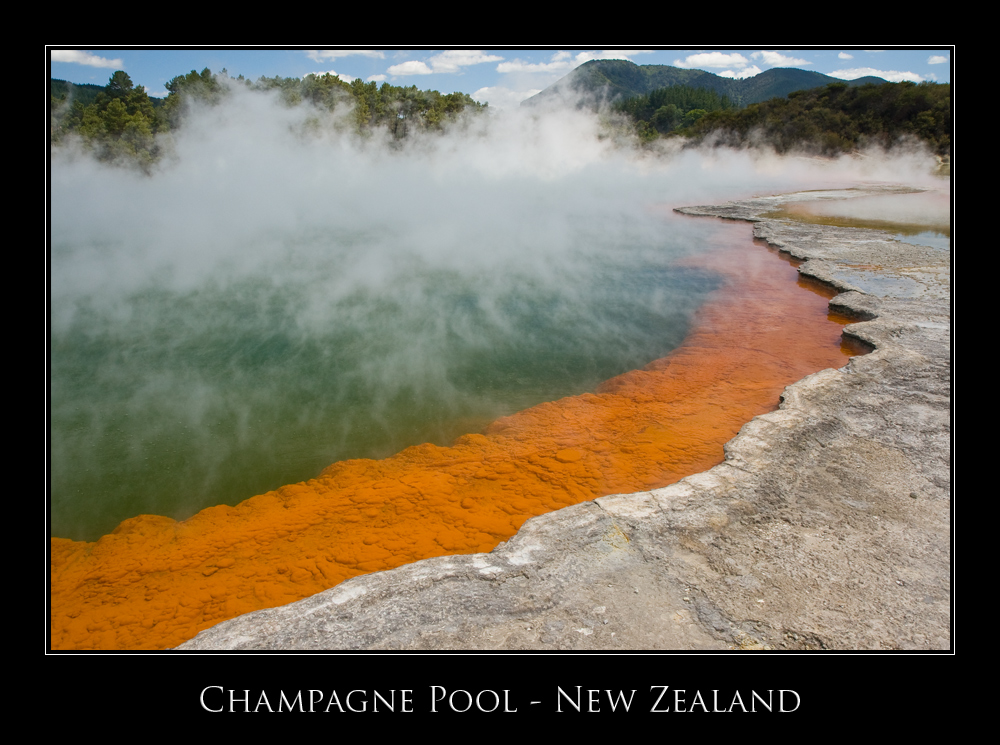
{"x":155,"y":582}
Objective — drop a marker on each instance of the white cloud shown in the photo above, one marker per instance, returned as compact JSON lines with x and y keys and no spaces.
{"x":777,"y":59}
{"x":564,"y":61}
{"x":449,"y":61}
{"x":84,"y":58}
{"x":610,"y":54}
{"x":411,"y":67}
{"x":736,"y":65}
{"x":318,"y":55}
{"x":713,"y":59}
{"x":845,"y":55}
{"x":501,"y":99}
{"x":519,"y":65}
{"x":453,"y":60}
{"x":377,"y":78}
{"x":893,"y":76}
{"x":748,"y":72}
{"x":936,"y":59}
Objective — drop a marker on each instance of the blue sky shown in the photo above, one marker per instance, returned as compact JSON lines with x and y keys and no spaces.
{"x":504,"y":77}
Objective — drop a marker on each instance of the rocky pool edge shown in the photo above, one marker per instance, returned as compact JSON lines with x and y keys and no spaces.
{"x":828,"y":525}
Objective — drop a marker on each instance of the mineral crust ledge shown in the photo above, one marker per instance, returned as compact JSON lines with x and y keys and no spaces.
{"x":827,"y":526}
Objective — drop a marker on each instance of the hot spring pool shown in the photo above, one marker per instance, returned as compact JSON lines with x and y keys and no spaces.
{"x":168,"y":399}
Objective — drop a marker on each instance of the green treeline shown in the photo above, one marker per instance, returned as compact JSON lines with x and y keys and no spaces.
{"x":667,"y":109}
{"x":836,"y":119}
{"x":83,"y":92}
{"x":398,"y":109}
{"x":121,"y":122}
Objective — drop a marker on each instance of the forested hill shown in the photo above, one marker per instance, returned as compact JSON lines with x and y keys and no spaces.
{"x":85,"y":93}
{"x":835,"y":119}
{"x":608,"y":81}
{"x":120,"y":122}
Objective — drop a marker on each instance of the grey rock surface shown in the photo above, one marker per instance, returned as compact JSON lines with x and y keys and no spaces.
{"x":827,"y":526}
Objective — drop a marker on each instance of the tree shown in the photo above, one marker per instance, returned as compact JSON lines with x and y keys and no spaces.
{"x":120,"y":124}
{"x":120,"y":85}
{"x":185,"y":89}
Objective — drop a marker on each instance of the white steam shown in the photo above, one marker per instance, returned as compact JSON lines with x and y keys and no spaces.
{"x":280,"y":286}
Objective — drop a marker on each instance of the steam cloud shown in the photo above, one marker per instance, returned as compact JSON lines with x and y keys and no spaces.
{"x":279,"y":294}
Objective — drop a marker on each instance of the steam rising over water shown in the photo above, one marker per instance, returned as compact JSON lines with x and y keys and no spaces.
{"x":270,"y":302}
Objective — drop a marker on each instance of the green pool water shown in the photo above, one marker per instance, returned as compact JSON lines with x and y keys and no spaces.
{"x":168,"y":398}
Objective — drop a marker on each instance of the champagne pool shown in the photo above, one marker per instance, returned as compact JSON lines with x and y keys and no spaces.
{"x":171,"y":400}
{"x":154,"y":583}
{"x":280,"y":363}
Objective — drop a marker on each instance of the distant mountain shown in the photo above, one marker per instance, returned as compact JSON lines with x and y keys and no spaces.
{"x":607,"y":81}
{"x":85,"y":93}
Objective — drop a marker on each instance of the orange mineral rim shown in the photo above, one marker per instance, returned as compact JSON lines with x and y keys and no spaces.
{"x":154,"y":583}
